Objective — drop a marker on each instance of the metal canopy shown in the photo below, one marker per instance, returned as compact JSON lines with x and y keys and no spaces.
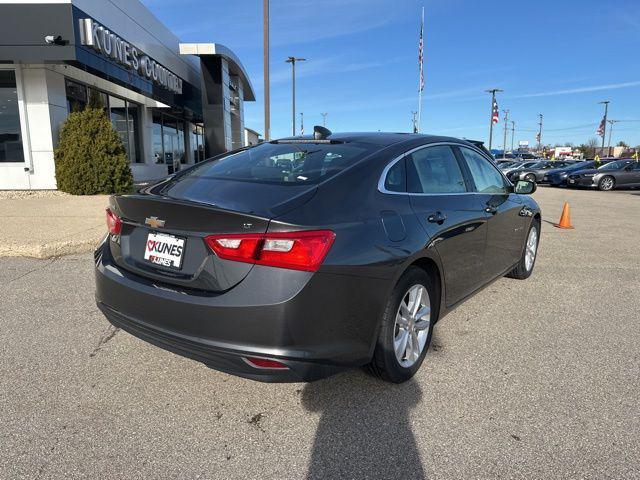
{"x":235,"y":66}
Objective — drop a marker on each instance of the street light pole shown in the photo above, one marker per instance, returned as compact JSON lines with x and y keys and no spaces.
{"x":492,"y":91}
{"x":265,"y":46}
{"x":292,"y":61}
{"x":540,"y":132}
{"x":504,"y":140}
{"x":604,"y":130}
{"x":513,"y":133}
{"x":301,"y":123}
{"x":324,"y":118}
{"x":611,"y":123}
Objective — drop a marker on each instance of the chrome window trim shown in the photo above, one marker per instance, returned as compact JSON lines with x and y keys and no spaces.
{"x":383,"y":176}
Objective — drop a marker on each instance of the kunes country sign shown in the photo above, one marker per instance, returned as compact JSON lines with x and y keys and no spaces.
{"x":107,"y":43}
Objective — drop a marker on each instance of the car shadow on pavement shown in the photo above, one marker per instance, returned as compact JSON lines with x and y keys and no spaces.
{"x":364,"y":429}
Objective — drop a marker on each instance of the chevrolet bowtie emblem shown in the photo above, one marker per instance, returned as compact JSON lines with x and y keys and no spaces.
{"x":154,"y":222}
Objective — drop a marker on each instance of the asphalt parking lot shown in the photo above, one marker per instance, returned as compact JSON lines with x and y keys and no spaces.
{"x":535,"y":379}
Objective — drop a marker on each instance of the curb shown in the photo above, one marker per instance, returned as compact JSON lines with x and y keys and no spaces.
{"x":49,"y":250}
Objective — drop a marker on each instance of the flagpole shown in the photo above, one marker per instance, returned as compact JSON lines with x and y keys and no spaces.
{"x":420,"y":85}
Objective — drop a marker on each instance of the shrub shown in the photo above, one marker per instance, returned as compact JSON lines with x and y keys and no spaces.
{"x":90,"y":158}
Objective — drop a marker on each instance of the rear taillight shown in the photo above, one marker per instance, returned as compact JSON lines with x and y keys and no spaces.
{"x":293,"y":250}
{"x":114,"y":224}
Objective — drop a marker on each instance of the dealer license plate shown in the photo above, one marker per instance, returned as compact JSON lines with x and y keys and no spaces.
{"x":164,"y":250}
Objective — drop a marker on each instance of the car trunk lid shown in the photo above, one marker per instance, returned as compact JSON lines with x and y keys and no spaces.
{"x":154,"y":225}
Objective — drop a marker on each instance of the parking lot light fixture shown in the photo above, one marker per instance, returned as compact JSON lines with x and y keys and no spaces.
{"x":292,"y":61}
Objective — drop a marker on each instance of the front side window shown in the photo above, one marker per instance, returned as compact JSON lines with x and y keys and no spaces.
{"x":634,"y":166}
{"x":486,"y":178}
{"x":10,"y":133}
{"x":434,"y":170}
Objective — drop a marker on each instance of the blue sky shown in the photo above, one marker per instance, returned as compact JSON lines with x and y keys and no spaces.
{"x":558,"y":58}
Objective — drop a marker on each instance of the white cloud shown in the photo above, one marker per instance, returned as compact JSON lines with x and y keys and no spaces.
{"x":570,"y":91}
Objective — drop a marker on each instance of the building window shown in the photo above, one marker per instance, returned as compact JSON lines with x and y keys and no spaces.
{"x":196,"y":141}
{"x":76,"y":96}
{"x":118,"y":114}
{"x":170,"y":141}
{"x":133,"y":122}
{"x":180,"y":147}
{"x":169,"y":145}
{"x":124,"y":115}
{"x":98,"y":98}
{"x":158,"y":150}
{"x":10,"y":134}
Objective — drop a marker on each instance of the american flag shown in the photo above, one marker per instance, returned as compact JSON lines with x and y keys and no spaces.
{"x":495,"y":116}
{"x":600,"y":130}
{"x":421,"y":54}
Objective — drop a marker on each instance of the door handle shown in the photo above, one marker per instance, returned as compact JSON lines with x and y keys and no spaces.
{"x":437,"y":217}
{"x":491,"y":210}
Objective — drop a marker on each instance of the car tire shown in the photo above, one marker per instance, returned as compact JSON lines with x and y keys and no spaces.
{"x":606,"y":183}
{"x":530,"y":178}
{"x":524,"y":268}
{"x":385,"y":363}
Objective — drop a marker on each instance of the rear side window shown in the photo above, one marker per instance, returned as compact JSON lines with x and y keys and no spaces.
{"x":396,"y":180}
{"x":434,"y":170}
{"x":485,"y":176}
{"x":284,"y":164}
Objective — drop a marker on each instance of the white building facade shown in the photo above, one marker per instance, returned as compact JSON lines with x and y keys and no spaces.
{"x":170,"y":109}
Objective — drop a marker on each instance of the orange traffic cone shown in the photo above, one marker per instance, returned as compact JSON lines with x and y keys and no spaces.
{"x":565,"y":218}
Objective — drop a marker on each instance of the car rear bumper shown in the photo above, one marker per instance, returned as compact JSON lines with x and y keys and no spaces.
{"x":316,"y":324}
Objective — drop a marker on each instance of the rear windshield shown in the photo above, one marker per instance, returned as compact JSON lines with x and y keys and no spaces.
{"x":284,"y":164}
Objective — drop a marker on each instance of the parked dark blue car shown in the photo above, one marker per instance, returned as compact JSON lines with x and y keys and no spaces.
{"x":558,"y":176}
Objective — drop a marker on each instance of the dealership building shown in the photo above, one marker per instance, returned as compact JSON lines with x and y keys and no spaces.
{"x":172,"y":104}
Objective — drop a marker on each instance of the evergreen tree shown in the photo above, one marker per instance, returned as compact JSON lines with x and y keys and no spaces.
{"x":90,"y":158}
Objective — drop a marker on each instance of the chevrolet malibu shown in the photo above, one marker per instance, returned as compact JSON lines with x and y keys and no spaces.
{"x":298,"y":258}
{"x":617,"y":174}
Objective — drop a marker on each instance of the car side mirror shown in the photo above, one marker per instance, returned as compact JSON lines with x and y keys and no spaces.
{"x":524,"y":187}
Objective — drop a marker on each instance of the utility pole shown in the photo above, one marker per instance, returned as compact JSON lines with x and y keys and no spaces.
{"x":414,"y":121}
{"x":513,"y":133}
{"x":504,"y":140}
{"x":292,"y":61}
{"x":265,"y":47}
{"x":324,"y":118}
{"x":301,"y":123}
{"x":493,"y":92}
{"x":540,"y":132}
{"x":611,"y":123}
{"x":604,"y":130}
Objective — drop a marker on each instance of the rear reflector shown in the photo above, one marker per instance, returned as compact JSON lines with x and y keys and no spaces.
{"x":114,"y":224}
{"x":304,"y":250}
{"x":265,"y":363}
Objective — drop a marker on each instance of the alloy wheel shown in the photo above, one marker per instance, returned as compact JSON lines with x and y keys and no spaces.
{"x":530,"y":249}
{"x":606,"y":183}
{"x":413,"y":320}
